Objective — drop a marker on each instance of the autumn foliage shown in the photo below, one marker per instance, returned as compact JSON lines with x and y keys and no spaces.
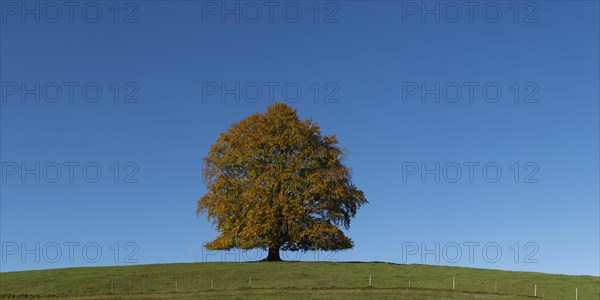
{"x":274,"y":182}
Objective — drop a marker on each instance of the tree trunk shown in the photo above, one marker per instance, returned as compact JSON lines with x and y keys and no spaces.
{"x":273,"y":254}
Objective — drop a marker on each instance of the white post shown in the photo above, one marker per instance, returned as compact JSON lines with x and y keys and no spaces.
{"x":453,"y":282}
{"x":176,"y":285}
{"x":250,"y":280}
{"x":212,"y":284}
{"x":576,"y":293}
{"x":535,"y":290}
{"x":369,"y":280}
{"x":409,"y":281}
{"x":112,"y":288}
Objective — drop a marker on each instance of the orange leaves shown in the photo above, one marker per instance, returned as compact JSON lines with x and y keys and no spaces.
{"x":274,"y":180}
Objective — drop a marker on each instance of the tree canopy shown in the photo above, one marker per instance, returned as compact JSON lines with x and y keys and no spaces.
{"x":275,"y":182}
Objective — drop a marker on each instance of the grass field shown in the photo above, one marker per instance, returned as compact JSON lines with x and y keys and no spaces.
{"x":292,"y":280}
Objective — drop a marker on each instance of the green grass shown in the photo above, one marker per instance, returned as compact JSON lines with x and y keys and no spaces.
{"x":311,"y":280}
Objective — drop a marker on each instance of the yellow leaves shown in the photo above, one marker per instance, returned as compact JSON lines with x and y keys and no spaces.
{"x":273,"y":179}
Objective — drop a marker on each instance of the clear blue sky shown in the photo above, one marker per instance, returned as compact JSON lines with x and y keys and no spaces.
{"x":374,"y":58}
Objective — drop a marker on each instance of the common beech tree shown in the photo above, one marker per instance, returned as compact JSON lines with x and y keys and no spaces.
{"x":275,"y":182}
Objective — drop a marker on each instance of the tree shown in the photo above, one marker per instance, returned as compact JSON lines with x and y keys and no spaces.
{"x":274,"y":182}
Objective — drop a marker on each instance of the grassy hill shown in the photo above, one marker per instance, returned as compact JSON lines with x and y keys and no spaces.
{"x":297,"y":280}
